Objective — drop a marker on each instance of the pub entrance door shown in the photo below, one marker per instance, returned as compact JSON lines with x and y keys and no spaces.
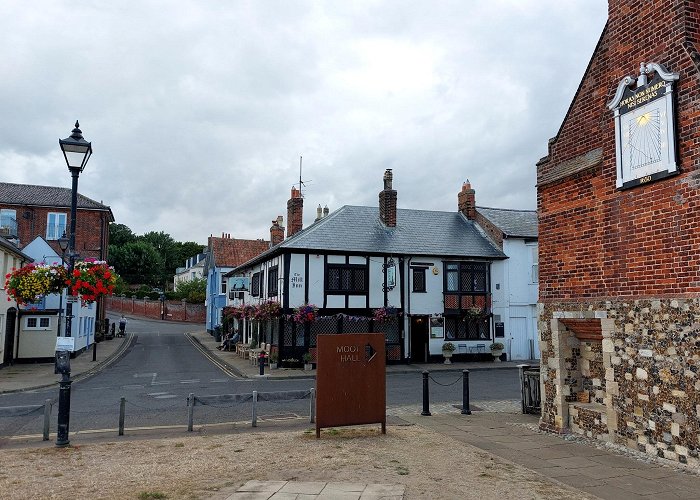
{"x":419,"y":339}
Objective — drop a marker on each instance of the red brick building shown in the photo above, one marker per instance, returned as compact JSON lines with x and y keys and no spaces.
{"x":619,"y":232}
{"x":28,"y":211}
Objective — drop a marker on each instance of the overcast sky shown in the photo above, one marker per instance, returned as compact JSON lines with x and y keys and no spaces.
{"x":198,"y":111}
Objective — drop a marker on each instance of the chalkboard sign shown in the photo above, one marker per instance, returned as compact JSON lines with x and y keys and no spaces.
{"x":499,"y":329}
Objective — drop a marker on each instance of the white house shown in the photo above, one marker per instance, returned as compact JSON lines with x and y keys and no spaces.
{"x":41,"y":323}
{"x":430,"y":270}
{"x":10,"y":258}
{"x":192,"y":270}
{"x":514,"y":280}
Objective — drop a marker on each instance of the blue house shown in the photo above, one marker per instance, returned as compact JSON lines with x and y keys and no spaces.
{"x":223,"y":255}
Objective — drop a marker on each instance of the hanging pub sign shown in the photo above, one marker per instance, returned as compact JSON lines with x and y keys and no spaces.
{"x":645,"y":137}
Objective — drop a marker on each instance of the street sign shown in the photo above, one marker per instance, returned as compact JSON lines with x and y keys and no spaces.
{"x":350,"y":380}
{"x":65,"y":344}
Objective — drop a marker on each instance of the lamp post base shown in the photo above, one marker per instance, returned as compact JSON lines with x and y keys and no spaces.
{"x":63,"y":412}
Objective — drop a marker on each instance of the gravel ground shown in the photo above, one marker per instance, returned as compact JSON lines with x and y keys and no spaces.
{"x":213,"y":466}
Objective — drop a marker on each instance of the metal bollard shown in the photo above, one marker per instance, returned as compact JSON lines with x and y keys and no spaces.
{"x":312,"y":409}
{"x":465,"y":393}
{"x":190,"y":412}
{"x":47,"y":418}
{"x":94,"y":351}
{"x":122,"y":414}
{"x":261,"y":362}
{"x":255,"y":409}
{"x":426,"y":395}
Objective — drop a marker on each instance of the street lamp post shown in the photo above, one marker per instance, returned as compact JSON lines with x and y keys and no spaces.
{"x":63,"y":245}
{"x":77,"y":152}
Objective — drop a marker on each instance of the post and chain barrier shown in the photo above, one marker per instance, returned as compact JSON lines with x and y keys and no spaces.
{"x":464,"y":377}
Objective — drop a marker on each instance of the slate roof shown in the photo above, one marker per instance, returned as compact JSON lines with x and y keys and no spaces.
{"x":513,"y":223}
{"x":355,"y":229}
{"x":4,"y":243}
{"x":232,"y":252}
{"x":44,"y":196}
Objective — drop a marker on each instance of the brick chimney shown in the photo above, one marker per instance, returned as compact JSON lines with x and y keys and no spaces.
{"x":277,"y":231}
{"x":295,"y":212}
{"x":466,"y":201}
{"x":387,"y":201}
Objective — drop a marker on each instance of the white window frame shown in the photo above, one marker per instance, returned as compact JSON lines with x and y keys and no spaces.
{"x":5,"y":213}
{"x":55,"y":231}
{"x":535,"y":272}
{"x":39,"y":320}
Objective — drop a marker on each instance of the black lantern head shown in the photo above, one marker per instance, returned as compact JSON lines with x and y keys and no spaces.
{"x":76,"y":150}
{"x":63,"y":242}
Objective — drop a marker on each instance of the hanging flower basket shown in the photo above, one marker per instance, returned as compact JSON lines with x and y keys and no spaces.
{"x":384,"y":314}
{"x":32,"y":282}
{"x":305,"y":314}
{"x":91,"y":280}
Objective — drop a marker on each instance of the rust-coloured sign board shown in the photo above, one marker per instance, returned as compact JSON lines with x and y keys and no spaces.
{"x":350,"y":380}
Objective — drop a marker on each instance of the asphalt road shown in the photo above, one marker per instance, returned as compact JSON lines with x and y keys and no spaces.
{"x":163,"y":367}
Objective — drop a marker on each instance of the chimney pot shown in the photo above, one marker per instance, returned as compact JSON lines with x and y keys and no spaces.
{"x":325,"y":211}
{"x":319,"y":212}
{"x":295,"y":209}
{"x":466,"y":201}
{"x":387,"y":201}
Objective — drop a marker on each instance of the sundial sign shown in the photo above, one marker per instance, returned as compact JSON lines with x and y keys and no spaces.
{"x":350,"y":380}
{"x":645,"y":137}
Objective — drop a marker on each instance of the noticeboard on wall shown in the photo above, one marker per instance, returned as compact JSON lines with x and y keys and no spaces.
{"x":350,"y":380}
{"x":437,"y":328}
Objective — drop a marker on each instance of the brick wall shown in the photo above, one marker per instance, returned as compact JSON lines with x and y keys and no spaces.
{"x":598,"y":241}
{"x":91,"y":235}
{"x":175,"y":310}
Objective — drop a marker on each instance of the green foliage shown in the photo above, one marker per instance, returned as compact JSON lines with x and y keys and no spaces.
{"x":136,"y":262}
{"x":193,"y":291}
{"x":119,"y":235}
{"x":150,"y":259}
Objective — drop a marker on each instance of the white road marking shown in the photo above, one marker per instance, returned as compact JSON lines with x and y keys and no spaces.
{"x":166,"y":396}
{"x":219,"y":380}
{"x":194,"y":381}
{"x":143,"y":375}
{"x":161,"y":383}
{"x":157,"y":393}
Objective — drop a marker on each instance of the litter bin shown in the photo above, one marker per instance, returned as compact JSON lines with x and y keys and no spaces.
{"x":217,"y":333}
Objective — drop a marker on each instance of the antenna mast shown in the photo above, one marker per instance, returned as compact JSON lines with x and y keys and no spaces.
{"x":301,"y":183}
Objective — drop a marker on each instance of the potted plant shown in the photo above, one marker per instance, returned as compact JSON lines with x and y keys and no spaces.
{"x":273,"y":360}
{"x":496,"y":350}
{"x":447,"y":349}
{"x":307,"y":361}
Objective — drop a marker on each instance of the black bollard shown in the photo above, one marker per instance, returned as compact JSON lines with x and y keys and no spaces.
{"x":261,"y":361}
{"x":465,"y":393}
{"x":426,"y":395}
{"x":94,"y":351}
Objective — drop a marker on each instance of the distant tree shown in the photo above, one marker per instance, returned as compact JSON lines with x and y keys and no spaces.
{"x":193,"y":291}
{"x":137,"y":262}
{"x":167,"y":248}
{"x":119,"y":235}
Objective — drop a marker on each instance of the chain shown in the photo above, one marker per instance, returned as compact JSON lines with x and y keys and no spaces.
{"x":446,"y":385}
{"x":28,"y":412}
{"x":162,"y":408}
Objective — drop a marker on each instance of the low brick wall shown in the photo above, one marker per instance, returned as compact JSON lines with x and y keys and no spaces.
{"x":174,"y":310}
